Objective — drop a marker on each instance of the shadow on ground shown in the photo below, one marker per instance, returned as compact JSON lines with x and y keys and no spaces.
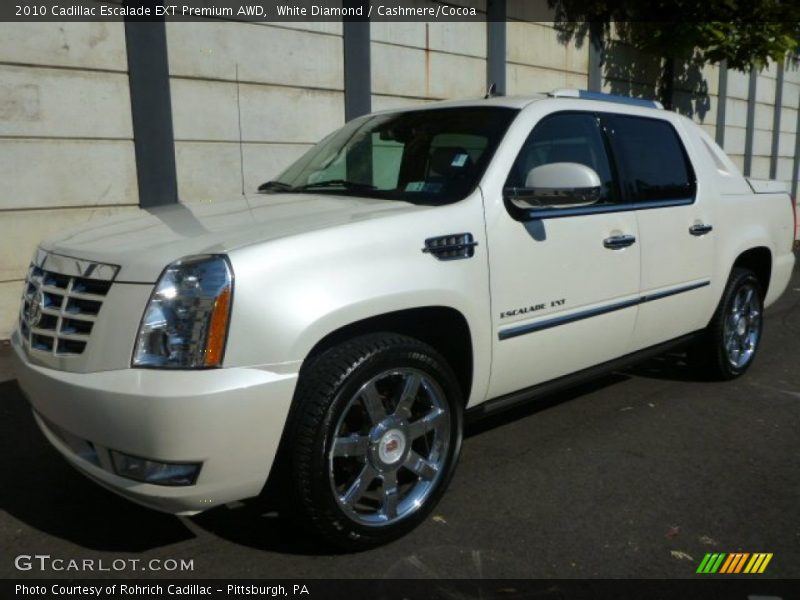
{"x":260,"y":527}
{"x":43,"y":491}
{"x":39,"y":488}
{"x":672,"y":367}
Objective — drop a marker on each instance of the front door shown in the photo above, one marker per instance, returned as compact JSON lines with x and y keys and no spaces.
{"x":564,"y":285}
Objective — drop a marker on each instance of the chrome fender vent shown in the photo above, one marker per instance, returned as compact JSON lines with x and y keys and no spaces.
{"x":451,"y":247}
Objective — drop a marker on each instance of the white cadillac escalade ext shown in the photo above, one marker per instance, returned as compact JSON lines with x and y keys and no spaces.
{"x":333,"y":329}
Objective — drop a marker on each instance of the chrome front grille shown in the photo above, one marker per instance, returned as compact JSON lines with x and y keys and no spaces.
{"x":61,"y":301}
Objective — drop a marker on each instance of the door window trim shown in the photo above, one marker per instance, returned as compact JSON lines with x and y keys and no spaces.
{"x":558,"y":213}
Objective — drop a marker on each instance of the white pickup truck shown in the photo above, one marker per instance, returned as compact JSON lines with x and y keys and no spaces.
{"x":415,"y":265}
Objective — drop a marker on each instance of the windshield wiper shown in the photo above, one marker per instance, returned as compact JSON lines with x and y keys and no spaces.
{"x":350,"y":185}
{"x":275,"y":186}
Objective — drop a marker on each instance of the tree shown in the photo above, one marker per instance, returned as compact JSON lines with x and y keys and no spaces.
{"x":744,"y":33}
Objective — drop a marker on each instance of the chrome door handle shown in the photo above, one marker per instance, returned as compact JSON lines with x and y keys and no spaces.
{"x":700,"y":229}
{"x":617,"y":242}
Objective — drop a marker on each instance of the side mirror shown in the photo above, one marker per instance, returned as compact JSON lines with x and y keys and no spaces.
{"x":556,"y":185}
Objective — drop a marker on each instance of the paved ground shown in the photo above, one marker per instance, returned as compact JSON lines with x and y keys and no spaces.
{"x":637,"y":475}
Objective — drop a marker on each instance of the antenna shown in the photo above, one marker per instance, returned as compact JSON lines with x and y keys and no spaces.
{"x":239,"y":114}
{"x":492,"y":91}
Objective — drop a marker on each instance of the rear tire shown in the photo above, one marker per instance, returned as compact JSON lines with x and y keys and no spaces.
{"x":729,"y":344}
{"x":374,"y":439}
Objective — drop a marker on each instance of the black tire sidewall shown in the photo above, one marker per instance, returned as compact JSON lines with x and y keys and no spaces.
{"x":739,"y":277}
{"x":390,"y":352}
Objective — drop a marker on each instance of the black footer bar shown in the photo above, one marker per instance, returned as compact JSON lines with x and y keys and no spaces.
{"x":702,"y":588}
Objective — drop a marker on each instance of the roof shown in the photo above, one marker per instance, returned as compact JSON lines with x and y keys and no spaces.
{"x":520,"y":102}
{"x":517,"y":102}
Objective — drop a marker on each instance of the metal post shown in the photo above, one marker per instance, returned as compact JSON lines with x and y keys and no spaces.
{"x":596,"y":57}
{"x":357,"y":68}
{"x":796,"y":161}
{"x":722,"y":100}
{"x":751,"y":117}
{"x":496,"y":46}
{"x":151,"y":111}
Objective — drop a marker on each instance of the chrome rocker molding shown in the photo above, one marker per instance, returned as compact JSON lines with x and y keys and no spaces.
{"x":520,"y":397}
{"x":593,"y":312}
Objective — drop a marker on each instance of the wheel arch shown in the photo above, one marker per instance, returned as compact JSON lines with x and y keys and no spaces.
{"x":443,"y":328}
{"x":759,"y":260}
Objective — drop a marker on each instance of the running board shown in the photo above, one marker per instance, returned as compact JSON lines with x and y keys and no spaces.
{"x":514,"y":399}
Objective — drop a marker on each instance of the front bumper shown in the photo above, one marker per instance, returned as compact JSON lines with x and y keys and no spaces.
{"x":230,"y":420}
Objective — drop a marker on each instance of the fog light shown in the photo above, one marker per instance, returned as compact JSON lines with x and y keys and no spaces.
{"x":151,"y":471}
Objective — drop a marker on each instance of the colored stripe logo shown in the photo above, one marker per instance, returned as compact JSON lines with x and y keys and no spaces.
{"x":734,"y":563}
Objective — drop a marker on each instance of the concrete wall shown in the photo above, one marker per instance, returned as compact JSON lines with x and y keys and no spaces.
{"x":66,"y":149}
{"x":290,"y":93}
{"x":736,"y":117}
{"x":788,"y":125}
{"x":66,"y":136}
{"x":628,"y":72}
{"x":538,"y":62}
{"x":413,"y":63}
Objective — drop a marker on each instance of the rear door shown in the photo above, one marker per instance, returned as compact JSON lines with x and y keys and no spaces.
{"x":676,"y":226}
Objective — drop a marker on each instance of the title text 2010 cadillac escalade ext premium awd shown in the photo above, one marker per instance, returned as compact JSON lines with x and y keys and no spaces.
{"x":333,"y":329}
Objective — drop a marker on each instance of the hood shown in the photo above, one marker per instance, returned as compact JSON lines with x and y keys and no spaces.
{"x":142,"y":244}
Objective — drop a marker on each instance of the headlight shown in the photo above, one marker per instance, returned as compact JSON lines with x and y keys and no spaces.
{"x":186,"y":321}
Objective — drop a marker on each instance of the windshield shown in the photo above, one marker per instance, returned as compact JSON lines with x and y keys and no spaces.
{"x":431,"y":156}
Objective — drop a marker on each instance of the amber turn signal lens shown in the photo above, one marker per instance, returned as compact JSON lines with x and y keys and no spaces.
{"x":218,"y":328}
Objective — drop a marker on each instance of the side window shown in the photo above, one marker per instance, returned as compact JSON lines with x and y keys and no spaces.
{"x":652,"y":161}
{"x":565,"y":137}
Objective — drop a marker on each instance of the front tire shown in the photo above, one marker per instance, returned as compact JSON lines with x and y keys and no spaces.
{"x":374,"y":439}
{"x":729,"y":345}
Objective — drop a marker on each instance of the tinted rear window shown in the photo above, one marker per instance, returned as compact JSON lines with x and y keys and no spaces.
{"x":652,"y":161}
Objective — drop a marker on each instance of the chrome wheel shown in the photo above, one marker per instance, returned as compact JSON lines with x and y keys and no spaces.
{"x":742,"y":327}
{"x":390,"y":447}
